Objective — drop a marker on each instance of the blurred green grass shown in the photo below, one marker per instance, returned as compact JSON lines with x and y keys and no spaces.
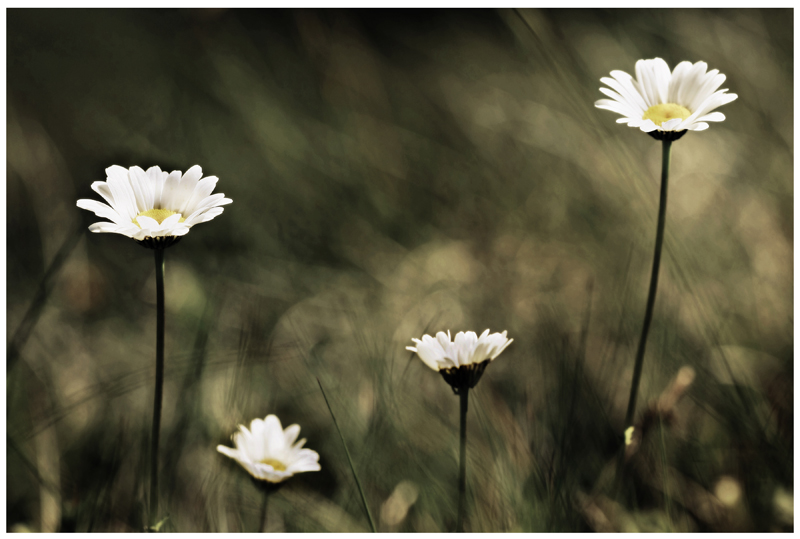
{"x":395,"y":173}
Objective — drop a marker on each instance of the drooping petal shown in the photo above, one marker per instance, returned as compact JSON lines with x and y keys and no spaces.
{"x":627,"y":84}
{"x":431,"y":354}
{"x":177,"y":230}
{"x":622,"y":104}
{"x":713,"y":117}
{"x":627,"y":93}
{"x":228,"y":451}
{"x":307,"y":460}
{"x":104,"y":191}
{"x":103,"y":227}
{"x":614,"y":106}
{"x":100,"y":209}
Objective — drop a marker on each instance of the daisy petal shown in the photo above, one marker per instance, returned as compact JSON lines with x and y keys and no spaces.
{"x":147,"y":223}
{"x":100,"y":209}
{"x":713,"y":117}
{"x":290,"y":434}
{"x":103,"y":227}
{"x":117,"y":172}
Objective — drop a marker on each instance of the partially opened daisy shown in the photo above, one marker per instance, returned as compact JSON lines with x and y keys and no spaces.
{"x":153,"y":207}
{"x":461,"y":363}
{"x":270,"y":453}
{"x":666,"y":104}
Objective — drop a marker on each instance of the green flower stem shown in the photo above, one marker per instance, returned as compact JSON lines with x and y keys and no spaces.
{"x":263,"y":527}
{"x":267,"y":489}
{"x":462,"y":467}
{"x":651,"y":296}
{"x":159,"y":253}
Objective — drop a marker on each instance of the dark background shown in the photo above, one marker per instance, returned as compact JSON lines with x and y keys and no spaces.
{"x":397,"y":172}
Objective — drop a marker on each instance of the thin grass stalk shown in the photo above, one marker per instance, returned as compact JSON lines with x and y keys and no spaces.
{"x":159,"y":389}
{"x":25,"y":328}
{"x":665,"y":476}
{"x":462,"y":467}
{"x":11,"y":444}
{"x":349,"y":460}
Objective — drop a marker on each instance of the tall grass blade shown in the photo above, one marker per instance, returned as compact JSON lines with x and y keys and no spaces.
{"x":349,"y":460}
{"x":23,"y":331}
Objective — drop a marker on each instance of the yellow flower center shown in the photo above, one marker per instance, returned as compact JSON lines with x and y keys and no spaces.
{"x":276,"y":465}
{"x":159,"y":214}
{"x":665,"y":111}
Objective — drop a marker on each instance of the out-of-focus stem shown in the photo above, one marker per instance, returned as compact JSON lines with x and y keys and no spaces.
{"x":263,"y":526}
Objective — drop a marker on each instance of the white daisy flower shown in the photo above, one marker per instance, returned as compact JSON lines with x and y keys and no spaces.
{"x":462,"y":361}
{"x":665,"y":104}
{"x":153,"y":207}
{"x":269,"y":453}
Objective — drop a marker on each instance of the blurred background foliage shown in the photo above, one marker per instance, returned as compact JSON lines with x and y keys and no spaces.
{"x":395,"y":173}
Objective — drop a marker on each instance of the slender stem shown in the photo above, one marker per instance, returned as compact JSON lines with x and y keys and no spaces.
{"x":462,"y":468}
{"x":651,"y":296}
{"x":263,"y":526}
{"x":159,"y":253}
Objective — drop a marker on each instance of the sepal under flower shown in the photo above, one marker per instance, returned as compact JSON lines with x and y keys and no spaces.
{"x":462,"y":361}
{"x":464,"y":377}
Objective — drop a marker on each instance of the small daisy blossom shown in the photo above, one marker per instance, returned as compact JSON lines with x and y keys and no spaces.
{"x":660,"y":101}
{"x":467,"y":348}
{"x":269,"y":453}
{"x":153,"y":204}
